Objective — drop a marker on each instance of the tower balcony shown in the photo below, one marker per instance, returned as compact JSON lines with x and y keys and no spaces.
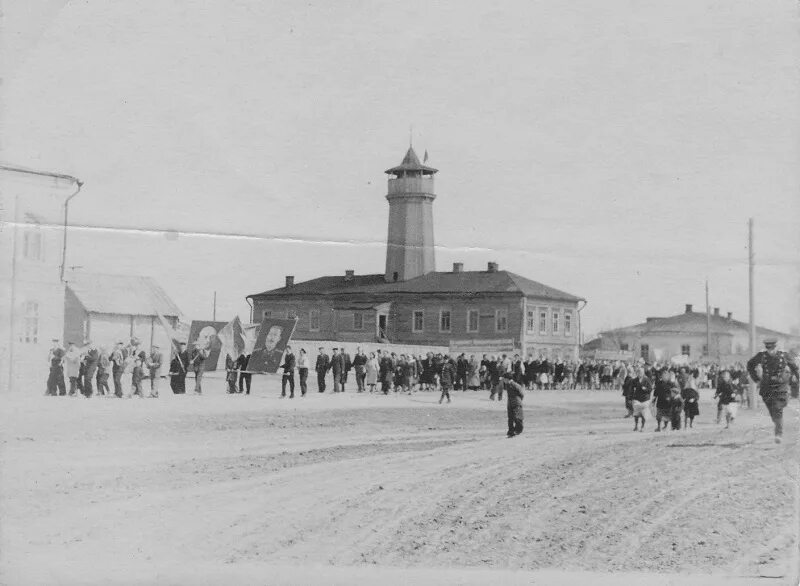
{"x":415,"y":184}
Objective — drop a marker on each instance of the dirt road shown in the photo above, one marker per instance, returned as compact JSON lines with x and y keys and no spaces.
{"x":188,"y":488}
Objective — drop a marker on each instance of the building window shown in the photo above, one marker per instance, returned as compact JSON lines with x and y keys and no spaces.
{"x":501,"y":320}
{"x":542,"y":322}
{"x":32,"y":244}
{"x":267,"y":314}
{"x":313,"y":320}
{"x":556,"y":325}
{"x":567,"y":323}
{"x":358,"y":321}
{"x":644,"y":351}
{"x":444,"y":320}
{"x":530,"y":322}
{"x":418,"y":324}
{"x":685,"y":350}
{"x":473,"y":320}
{"x":624,"y":347}
{"x":30,"y":326}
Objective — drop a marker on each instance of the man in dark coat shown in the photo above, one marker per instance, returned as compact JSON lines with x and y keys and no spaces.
{"x":322,"y":367}
{"x":514,"y":394}
{"x":245,"y":378}
{"x":337,"y":366}
{"x":348,"y":364}
{"x":360,"y":366}
{"x":55,"y":381}
{"x":90,"y":360}
{"x":288,"y":366}
{"x":462,"y":367}
{"x":386,"y":372}
{"x":777,"y":369}
{"x":177,"y":370}
{"x":198,"y":362}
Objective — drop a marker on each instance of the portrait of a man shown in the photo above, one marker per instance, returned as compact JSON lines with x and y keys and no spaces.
{"x":203,"y":335}
{"x":273,"y":336}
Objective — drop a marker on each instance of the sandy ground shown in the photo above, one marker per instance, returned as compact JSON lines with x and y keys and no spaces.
{"x":345,"y":489}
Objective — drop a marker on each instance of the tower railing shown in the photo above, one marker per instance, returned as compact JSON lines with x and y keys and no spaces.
{"x":399,"y":185}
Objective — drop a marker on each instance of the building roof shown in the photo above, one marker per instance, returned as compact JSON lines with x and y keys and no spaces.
{"x":411,"y":163}
{"x":690,"y":322}
{"x":465,"y":282}
{"x":121,"y":294}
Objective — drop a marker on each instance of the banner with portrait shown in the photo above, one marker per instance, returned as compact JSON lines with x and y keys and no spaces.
{"x":205,"y":335}
{"x":273,"y":337}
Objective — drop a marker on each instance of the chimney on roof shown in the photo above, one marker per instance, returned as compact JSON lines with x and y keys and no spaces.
{"x":730,"y":315}
{"x":688,"y":308}
{"x":716,"y":312}
{"x":289,"y":281}
{"x":458,"y":267}
{"x":492,"y":267}
{"x":349,"y":274}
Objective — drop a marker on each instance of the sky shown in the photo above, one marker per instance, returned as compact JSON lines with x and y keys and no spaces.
{"x":614,"y":150}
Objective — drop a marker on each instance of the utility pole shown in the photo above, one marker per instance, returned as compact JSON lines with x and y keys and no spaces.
{"x":752,"y":265}
{"x":708,"y":324}
{"x":214,"y":314}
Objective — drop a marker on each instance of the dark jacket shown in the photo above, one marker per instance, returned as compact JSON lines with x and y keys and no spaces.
{"x":323,"y":363}
{"x":641,"y":389}
{"x":289,"y":363}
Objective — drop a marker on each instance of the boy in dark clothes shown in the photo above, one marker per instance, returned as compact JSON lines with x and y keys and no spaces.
{"x":726,"y":394}
{"x":514,"y":394}
{"x":230,"y":374}
{"x":448,"y":377}
{"x":691,"y":408}
{"x":675,"y":408}
{"x":662,"y":393}
{"x":136,"y":378}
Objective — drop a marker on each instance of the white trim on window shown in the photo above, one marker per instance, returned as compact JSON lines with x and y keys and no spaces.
{"x":542,"y":311}
{"x":567,"y":323}
{"x":555,"y":319}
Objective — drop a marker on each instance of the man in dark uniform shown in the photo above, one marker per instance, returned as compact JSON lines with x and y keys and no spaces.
{"x":776,"y":371}
{"x":55,"y":382}
{"x":322,"y":366}
{"x":337,"y":365}
{"x":90,"y":360}
{"x":177,"y":370}
{"x":245,"y":378}
{"x":288,"y":366}
{"x":514,"y":394}
{"x":360,"y":366}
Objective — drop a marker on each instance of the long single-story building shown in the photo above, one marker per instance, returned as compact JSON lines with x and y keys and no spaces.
{"x":112,"y":308}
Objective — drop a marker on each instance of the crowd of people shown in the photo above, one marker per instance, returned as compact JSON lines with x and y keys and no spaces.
{"x":667,"y":391}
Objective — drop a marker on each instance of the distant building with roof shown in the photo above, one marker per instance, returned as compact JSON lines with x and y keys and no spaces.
{"x":412,"y":303}
{"x":660,"y":338}
{"x":112,"y":308}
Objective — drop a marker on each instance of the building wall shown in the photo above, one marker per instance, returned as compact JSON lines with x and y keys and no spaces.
{"x":76,"y":319}
{"x":551,"y":337}
{"x":31,"y":291}
{"x":665,"y":345}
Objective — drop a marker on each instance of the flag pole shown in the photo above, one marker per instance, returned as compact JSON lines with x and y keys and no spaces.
{"x":708,"y":324}
{"x":214,"y":311}
{"x":751,"y":266}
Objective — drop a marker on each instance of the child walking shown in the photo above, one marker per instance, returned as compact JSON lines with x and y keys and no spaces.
{"x":136,"y":378}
